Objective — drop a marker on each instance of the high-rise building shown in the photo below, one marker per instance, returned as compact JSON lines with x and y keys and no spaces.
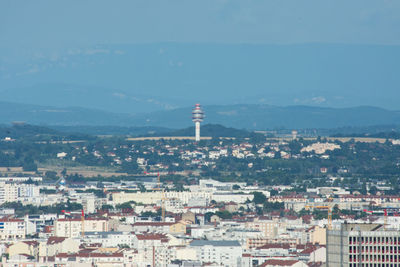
{"x":366,"y":245}
{"x":197,"y":117}
{"x":13,"y":192}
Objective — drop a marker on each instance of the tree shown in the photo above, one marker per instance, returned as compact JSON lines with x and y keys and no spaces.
{"x":235,"y":187}
{"x":208,"y":215}
{"x":142,"y":188}
{"x":124,"y":206}
{"x":130,"y":167}
{"x":273,"y":192}
{"x":259,"y":198}
{"x":29,"y":165}
{"x":273,"y":206}
{"x":51,"y":175}
{"x":106,"y":207}
{"x":363,"y":190}
{"x":224,"y":214}
{"x":373,"y":190}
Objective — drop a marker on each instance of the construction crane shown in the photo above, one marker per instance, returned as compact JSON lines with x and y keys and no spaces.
{"x":329,"y":208}
{"x":83,"y":223}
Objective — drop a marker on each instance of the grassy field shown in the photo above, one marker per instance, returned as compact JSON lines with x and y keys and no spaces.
{"x":86,"y":171}
{"x":166,"y":138}
{"x":341,"y":139}
{"x":13,"y":171}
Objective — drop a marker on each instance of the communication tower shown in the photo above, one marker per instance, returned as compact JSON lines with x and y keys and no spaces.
{"x":197,"y":117}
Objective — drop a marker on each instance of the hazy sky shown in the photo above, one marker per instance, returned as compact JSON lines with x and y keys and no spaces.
{"x":53,"y":24}
{"x":340,"y":52}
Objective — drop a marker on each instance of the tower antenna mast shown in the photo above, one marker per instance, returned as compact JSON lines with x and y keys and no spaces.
{"x":197,"y":118}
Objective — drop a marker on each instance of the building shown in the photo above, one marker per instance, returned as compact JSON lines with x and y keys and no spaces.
{"x":155,"y":197}
{"x":90,"y":259}
{"x":109,"y":239}
{"x":152,"y":227}
{"x":269,"y":228}
{"x":12,"y":229}
{"x":279,"y":263}
{"x":189,"y":217}
{"x":56,"y":245}
{"x":178,"y":228}
{"x":316,"y":235}
{"x":363,"y":245}
{"x":72,"y":227}
{"x":224,"y":253}
{"x":153,"y":248}
{"x":30,"y":248}
{"x":13,"y":192}
{"x":313,"y":254}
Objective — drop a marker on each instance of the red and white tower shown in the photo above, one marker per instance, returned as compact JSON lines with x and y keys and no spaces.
{"x":197,"y":117}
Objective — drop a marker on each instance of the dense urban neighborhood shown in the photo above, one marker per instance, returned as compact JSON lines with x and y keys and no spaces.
{"x":217,"y":133}
{"x":249,"y":201}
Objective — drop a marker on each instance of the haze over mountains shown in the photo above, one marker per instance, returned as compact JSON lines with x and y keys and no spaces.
{"x":244,"y":116}
{"x":161,"y":76}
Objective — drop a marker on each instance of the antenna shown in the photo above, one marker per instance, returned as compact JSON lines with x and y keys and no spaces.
{"x":197,"y":118}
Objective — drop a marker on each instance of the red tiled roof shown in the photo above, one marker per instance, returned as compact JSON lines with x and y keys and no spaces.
{"x":151,"y":236}
{"x":31,"y":242}
{"x":90,"y":255}
{"x":279,"y":263}
{"x":153,"y":223}
{"x":100,"y":255}
{"x":80,"y":219}
{"x":300,"y":246}
{"x":10,"y":220}
{"x":269,"y":246}
{"x":291,"y":217}
{"x":309,"y":250}
{"x":55,"y":239}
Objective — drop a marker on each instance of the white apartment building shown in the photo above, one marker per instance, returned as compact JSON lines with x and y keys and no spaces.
{"x":12,"y":229}
{"x":90,"y":202}
{"x":153,"y":247}
{"x":224,"y":253}
{"x":11,"y":192}
{"x":228,"y":197}
{"x":110,"y":239}
{"x":73,"y":227}
{"x":210,"y":183}
{"x":155,"y":197}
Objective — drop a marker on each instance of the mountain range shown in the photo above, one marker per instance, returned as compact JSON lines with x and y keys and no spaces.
{"x":142,"y":78}
{"x":243,"y":116}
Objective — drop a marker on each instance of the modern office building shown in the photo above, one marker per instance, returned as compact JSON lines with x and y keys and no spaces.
{"x":363,"y":245}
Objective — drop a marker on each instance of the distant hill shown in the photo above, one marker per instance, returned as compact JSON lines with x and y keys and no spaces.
{"x":212,"y":130}
{"x":49,"y":115}
{"x":27,"y":131}
{"x":244,"y":116}
{"x":262,"y":117}
{"x":113,"y":130}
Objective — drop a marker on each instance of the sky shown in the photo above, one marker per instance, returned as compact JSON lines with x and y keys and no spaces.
{"x":54,"y":23}
{"x":335,"y":53}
